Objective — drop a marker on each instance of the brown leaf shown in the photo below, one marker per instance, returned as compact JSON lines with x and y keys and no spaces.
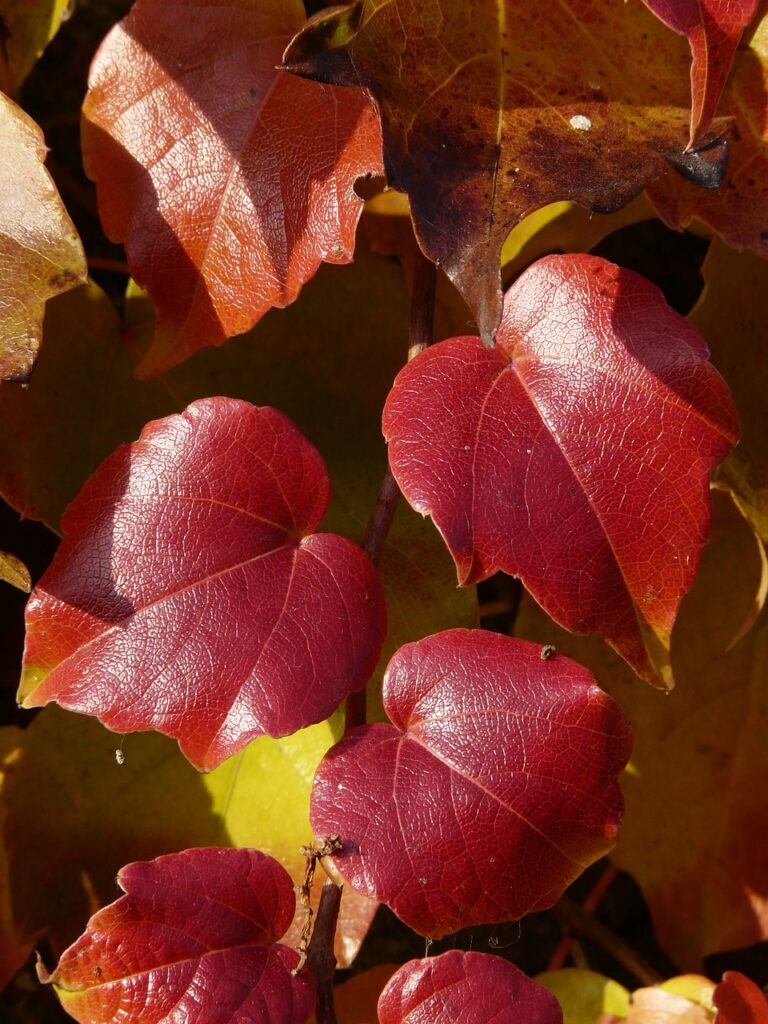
{"x":491,"y":110}
{"x":40,"y":253}
{"x":13,"y":571}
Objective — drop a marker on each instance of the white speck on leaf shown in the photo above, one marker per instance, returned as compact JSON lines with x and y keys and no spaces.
{"x":580,"y":123}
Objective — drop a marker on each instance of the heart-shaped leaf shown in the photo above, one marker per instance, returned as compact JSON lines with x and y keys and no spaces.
{"x":493,"y":789}
{"x":228,"y":180}
{"x":40,"y":252}
{"x":493,"y":109}
{"x":713,"y":28}
{"x":194,"y":938}
{"x":190,"y":595}
{"x":474,"y":988}
{"x":575,"y":454}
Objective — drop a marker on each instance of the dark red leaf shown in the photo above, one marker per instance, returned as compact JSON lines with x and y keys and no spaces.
{"x":190,"y":595}
{"x":495,"y":787}
{"x":575,"y":454}
{"x":474,"y":988}
{"x":194,"y":938}
{"x":228,"y":180}
{"x":739,"y":1001}
{"x":713,"y":28}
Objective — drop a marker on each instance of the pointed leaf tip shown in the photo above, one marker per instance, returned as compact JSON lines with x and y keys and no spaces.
{"x":190,"y":594}
{"x":575,"y":454}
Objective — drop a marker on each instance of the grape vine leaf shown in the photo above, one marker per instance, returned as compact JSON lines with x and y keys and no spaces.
{"x":737,"y":210}
{"x":474,"y":988}
{"x":228,"y":180}
{"x":26,"y":28}
{"x":585,"y":996}
{"x":739,"y":1001}
{"x":483,"y":122}
{"x":699,"y":757}
{"x":713,"y":28}
{"x":441,"y":815}
{"x":190,"y":594}
{"x":40,"y":252}
{"x":194,"y":936}
{"x":575,"y":454}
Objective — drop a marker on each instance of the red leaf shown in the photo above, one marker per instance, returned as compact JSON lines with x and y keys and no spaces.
{"x":739,"y":1001}
{"x":228,"y":180}
{"x":194,"y":939}
{"x":575,"y":454}
{"x":190,"y":595}
{"x":495,"y":787}
{"x":474,"y":988}
{"x":713,"y":28}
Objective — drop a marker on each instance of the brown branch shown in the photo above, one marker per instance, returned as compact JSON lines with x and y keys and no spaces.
{"x":420,"y":328}
{"x":321,"y":959}
{"x":580,"y":922}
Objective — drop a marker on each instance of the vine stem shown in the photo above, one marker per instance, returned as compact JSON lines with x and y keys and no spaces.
{"x":421,"y":321}
{"x":321,"y":960}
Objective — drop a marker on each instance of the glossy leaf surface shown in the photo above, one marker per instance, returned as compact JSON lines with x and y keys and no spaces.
{"x":40,"y":252}
{"x":713,"y":28}
{"x":228,"y":180}
{"x":494,"y":787}
{"x":737,"y":210}
{"x":739,"y":1001}
{"x":191,"y":596}
{"x":484,"y":121}
{"x":474,"y":988}
{"x":575,"y":454}
{"x":688,"y":836}
{"x":194,"y":938}
{"x":13,"y":571}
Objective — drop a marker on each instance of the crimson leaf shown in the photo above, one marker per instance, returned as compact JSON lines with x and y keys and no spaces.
{"x":574,"y":454}
{"x":474,"y":988}
{"x":493,"y":789}
{"x":194,"y":938}
{"x":739,"y":1001}
{"x":190,"y":595}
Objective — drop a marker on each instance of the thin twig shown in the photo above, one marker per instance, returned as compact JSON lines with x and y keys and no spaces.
{"x":313,"y":854}
{"x":590,"y":905}
{"x":583,"y":924}
{"x":321,"y":958}
{"x":419,"y":337}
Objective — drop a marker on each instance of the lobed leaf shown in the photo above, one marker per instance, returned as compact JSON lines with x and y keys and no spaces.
{"x":484,"y":121}
{"x":474,"y":988}
{"x":713,"y":28}
{"x":40,"y":252}
{"x":191,"y":596}
{"x":494,"y":787}
{"x":228,"y":180}
{"x":575,"y":454}
{"x":193,"y":938}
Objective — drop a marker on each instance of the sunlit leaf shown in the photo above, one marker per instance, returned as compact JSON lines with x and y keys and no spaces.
{"x":474,"y":988}
{"x":228,"y":180}
{"x":494,"y":787}
{"x":575,"y":454}
{"x":585,"y":995}
{"x":713,"y":28}
{"x":191,"y":594}
{"x":195,"y":937}
{"x":40,"y":253}
{"x":492,"y":110}
{"x":13,"y":571}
